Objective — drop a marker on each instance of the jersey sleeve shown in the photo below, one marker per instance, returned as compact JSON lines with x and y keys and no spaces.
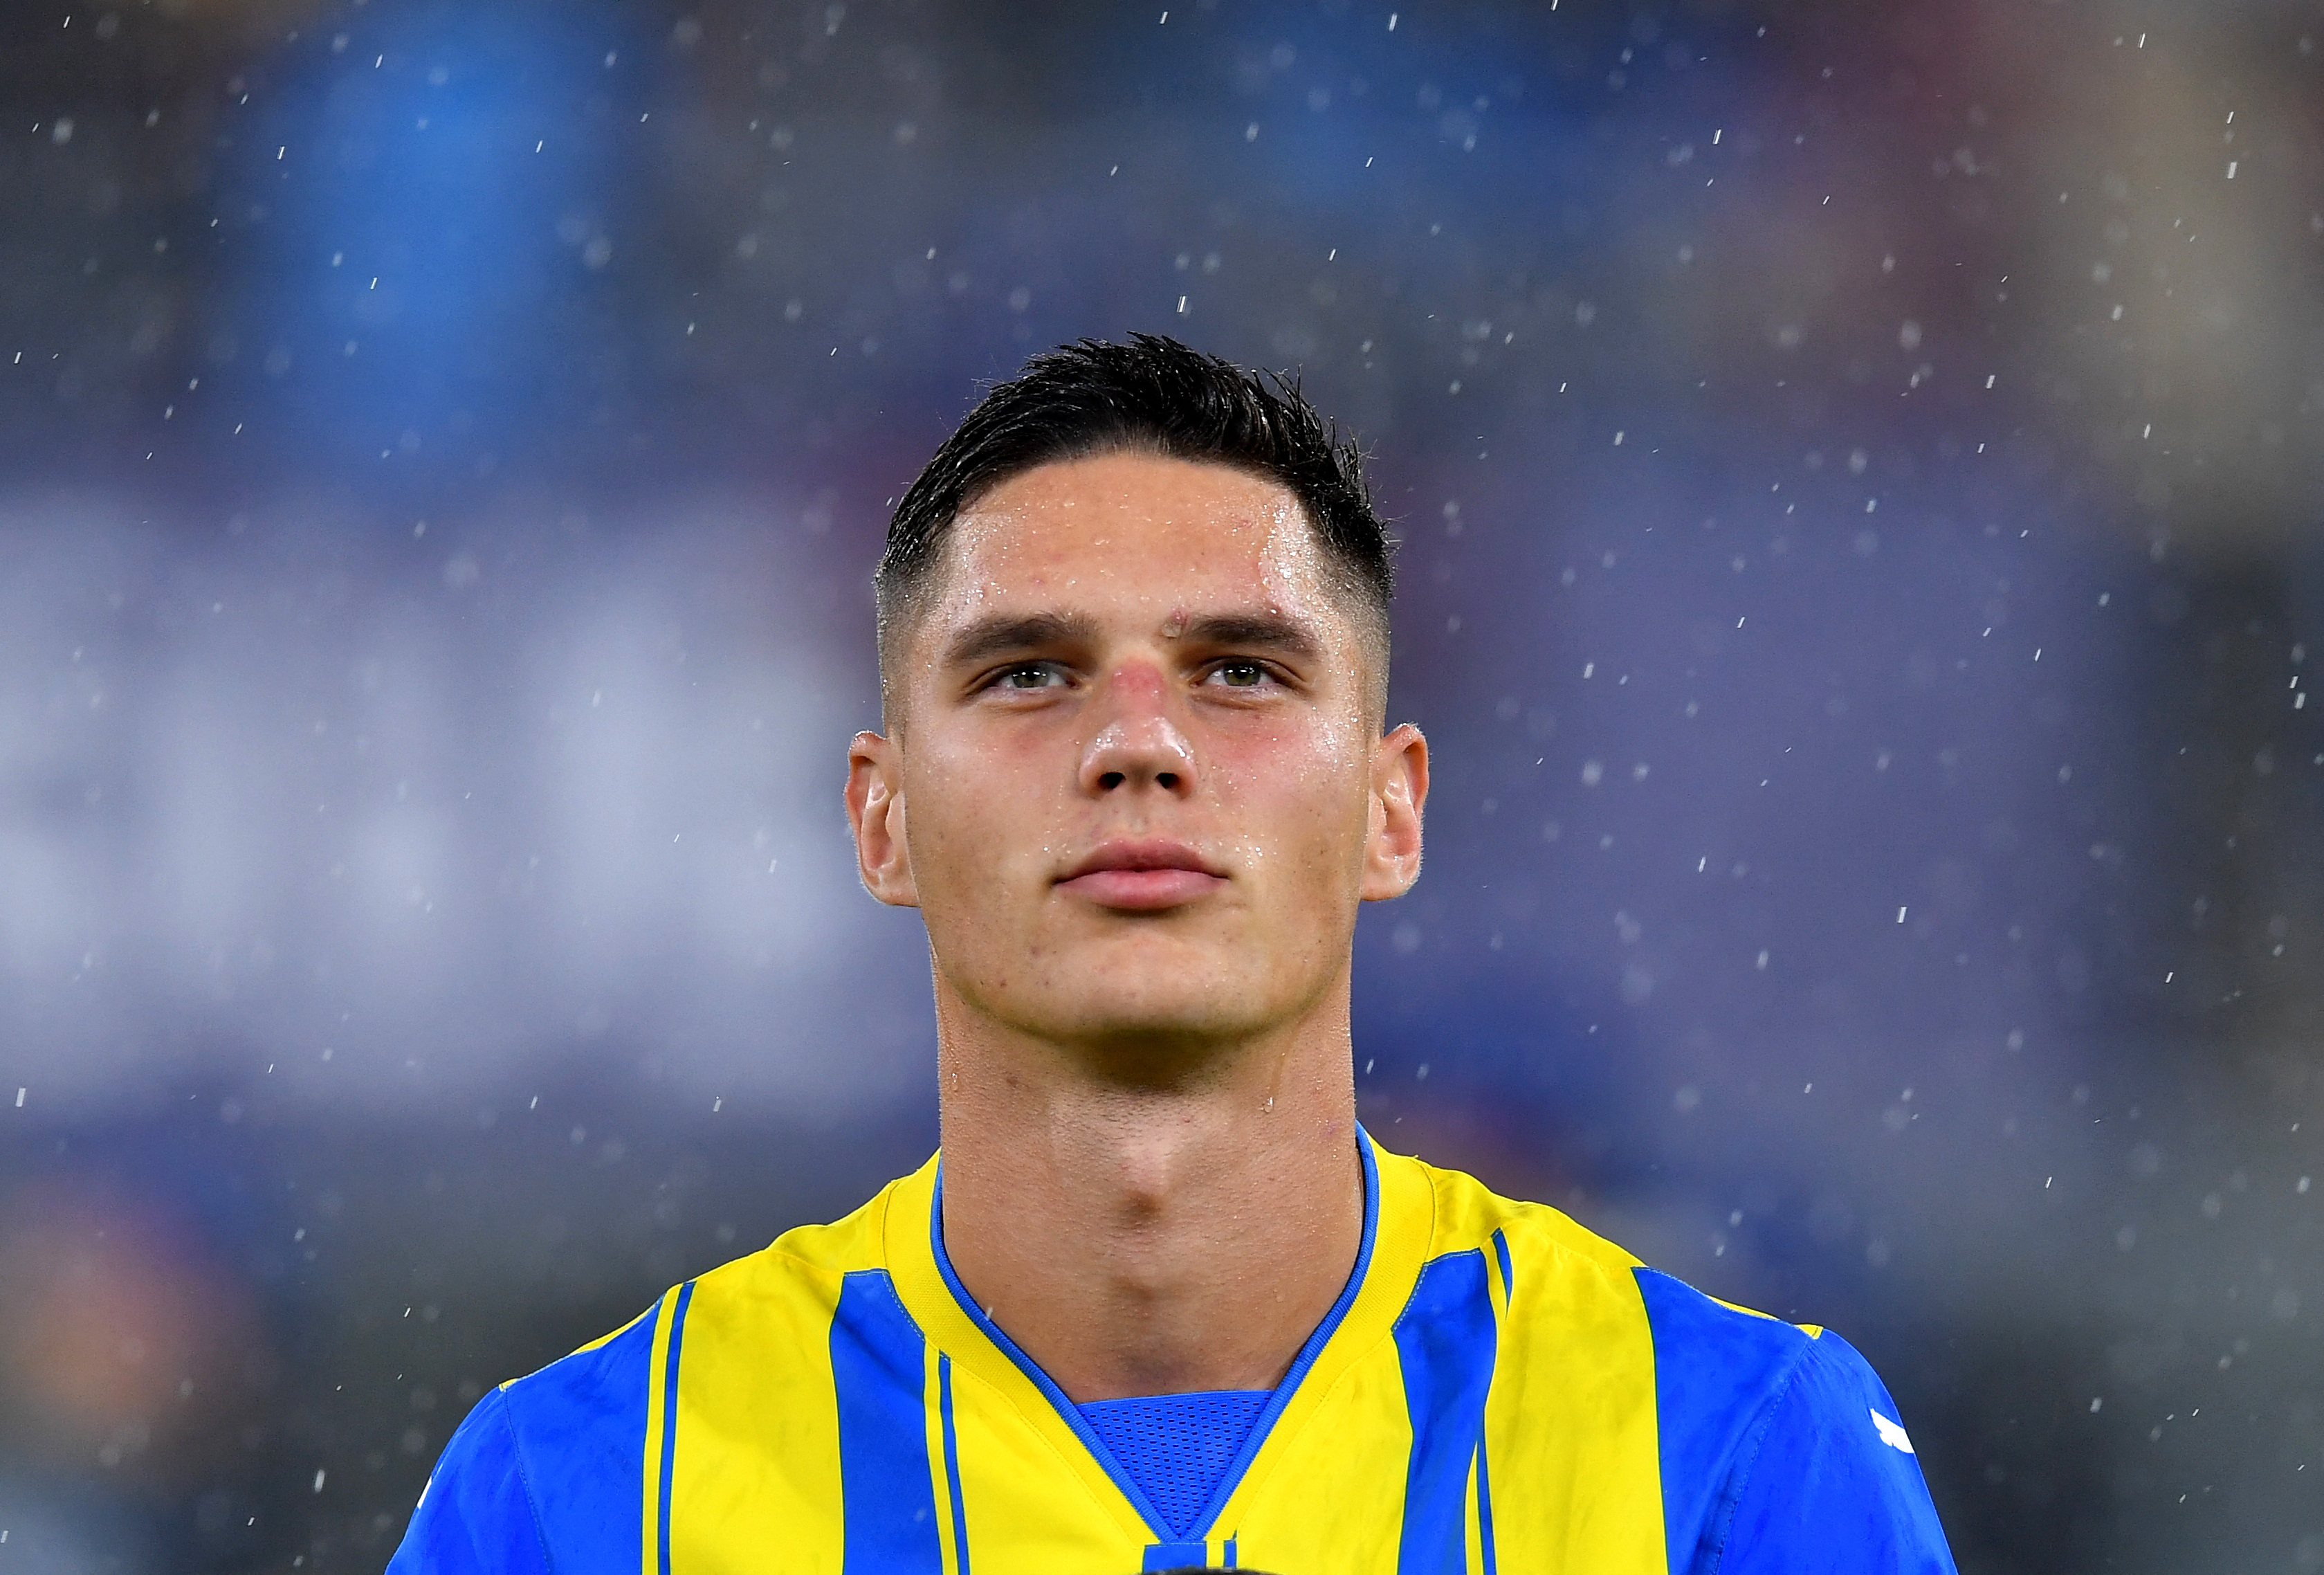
{"x":1833,"y":1487}
{"x":476,"y":1515}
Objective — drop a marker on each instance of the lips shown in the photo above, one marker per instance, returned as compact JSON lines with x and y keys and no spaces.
{"x":1141,"y":876}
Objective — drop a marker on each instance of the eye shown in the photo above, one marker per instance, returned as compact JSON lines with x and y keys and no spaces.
{"x":1026,"y":676}
{"x":1240,"y":675}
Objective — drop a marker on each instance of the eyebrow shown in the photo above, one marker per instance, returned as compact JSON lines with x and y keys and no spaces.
{"x":1273,"y":632}
{"x":1002,"y":634}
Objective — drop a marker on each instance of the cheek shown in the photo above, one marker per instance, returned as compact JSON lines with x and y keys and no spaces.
{"x":973,"y":811}
{"x":1300,"y":795}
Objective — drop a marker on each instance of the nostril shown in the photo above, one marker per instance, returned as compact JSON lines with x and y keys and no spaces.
{"x":1110,"y":781}
{"x":1168,"y":779}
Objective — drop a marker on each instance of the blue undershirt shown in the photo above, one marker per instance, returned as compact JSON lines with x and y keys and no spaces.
{"x":1178,"y":1447}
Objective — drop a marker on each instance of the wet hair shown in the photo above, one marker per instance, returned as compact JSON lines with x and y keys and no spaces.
{"x":1152,"y":396}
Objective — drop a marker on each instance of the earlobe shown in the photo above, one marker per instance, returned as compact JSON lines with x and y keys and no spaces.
{"x":1400,"y":795}
{"x":875,"y":814}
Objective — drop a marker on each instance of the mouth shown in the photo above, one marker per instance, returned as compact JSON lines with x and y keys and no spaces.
{"x":1141,"y":876}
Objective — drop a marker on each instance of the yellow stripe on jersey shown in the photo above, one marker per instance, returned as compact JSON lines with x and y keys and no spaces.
{"x":657,"y":1434}
{"x":757,"y":1462}
{"x":1571,"y":1422}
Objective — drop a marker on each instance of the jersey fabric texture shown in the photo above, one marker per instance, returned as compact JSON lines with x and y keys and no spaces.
{"x":1496,"y":1389}
{"x":1177,"y":1447}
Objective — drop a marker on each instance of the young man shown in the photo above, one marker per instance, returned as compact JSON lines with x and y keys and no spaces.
{"x":1160,"y":1303}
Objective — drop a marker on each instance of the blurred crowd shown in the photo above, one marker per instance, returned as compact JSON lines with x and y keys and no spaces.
{"x":1862,"y":506}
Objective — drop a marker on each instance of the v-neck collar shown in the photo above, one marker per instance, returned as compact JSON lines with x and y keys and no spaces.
{"x":1397,"y":1216}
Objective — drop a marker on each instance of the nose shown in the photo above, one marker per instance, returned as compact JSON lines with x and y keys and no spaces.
{"x":1138,"y":743}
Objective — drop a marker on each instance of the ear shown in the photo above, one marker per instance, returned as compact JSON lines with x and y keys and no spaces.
{"x":875,"y":813}
{"x":1399,"y":792}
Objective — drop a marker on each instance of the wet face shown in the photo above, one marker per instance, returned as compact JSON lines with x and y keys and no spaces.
{"x":1136,"y":782}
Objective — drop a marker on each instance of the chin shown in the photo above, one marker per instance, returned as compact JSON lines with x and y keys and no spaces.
{"x":1173,"y":1014}
{"x":1159,"y":1023}
{"x":1144,"y":987}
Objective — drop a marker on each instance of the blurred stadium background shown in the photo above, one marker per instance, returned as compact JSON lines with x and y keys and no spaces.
{"x":1860,"y":475}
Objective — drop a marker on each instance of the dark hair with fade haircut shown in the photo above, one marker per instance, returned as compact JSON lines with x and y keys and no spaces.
{"x":1151,"y":395}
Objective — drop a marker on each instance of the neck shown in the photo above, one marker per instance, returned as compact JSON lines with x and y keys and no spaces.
{"x":1151,"y":1235}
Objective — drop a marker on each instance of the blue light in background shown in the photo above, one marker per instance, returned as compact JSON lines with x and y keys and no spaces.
{"x":430,"y":199}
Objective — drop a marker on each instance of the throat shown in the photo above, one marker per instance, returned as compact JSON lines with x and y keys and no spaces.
{"x":1214,"y":1287}
{"x":1135,"y":1240}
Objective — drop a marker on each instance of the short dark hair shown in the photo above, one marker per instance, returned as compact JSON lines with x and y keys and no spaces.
{"x":1156,"y":396}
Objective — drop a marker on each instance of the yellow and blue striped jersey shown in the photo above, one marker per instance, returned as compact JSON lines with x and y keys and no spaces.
{"x":1496,"y":1389}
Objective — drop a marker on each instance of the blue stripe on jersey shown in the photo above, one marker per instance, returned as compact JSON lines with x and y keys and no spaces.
{"x":952,"y":1467}
{"x":878,"y":1366}
{"x":1484,"y":1482}
{"x":1444,"y":1344}
{"x":669,"y":1419}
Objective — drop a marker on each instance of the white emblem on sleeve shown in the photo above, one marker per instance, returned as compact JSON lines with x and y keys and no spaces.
{"x":1891,"y":1434}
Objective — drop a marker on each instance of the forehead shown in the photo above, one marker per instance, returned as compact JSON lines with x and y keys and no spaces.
{"x":1124,"y":529}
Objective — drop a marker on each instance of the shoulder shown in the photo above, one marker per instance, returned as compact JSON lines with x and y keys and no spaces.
{"x":555,"y":1460}
{"x":1714,"y":1365}
{"x":1535,"y":1248}
{"x":1768,"y":1437}
{"x":476,"y":1517}
{"x":798,"y":1274}
{"x":599,"y":1392}
{"x":1717,"y":1365}
{"x":1831,"y":1485}
{"x":1555,"y":1287}
{"x":1545,"y":1255}
{"x":1781,"y":1450}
